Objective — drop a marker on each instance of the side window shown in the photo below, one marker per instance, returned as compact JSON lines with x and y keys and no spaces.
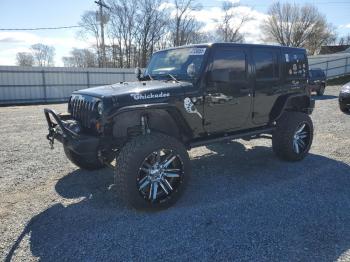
{"x":228,"y":65}
{"x":295,"y":65}
{"x":266,"y":64}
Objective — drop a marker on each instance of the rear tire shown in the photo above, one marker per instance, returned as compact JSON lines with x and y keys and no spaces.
{"x":140,"y":166}
{"x":320,"y":91}
{"x":293,"y":136}
{"x":344,"y":108}
{"x":88,"y":164}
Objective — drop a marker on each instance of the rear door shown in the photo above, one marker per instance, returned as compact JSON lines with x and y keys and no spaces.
{"x":267,"y":82}
{"x":227,"y":103}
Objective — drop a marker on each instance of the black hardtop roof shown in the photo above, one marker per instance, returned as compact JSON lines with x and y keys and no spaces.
{"x":218,"y":44}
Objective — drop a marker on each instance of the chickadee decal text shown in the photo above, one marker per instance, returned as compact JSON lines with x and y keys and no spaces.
{"x":149,"y":96}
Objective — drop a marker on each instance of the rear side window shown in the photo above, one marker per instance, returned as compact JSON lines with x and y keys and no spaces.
{"x":228,"y":65}
{"x":266,"y":64}
{"x":295,"y":65}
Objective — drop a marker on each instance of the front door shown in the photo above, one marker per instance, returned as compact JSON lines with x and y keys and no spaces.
{"x":228,"y":97}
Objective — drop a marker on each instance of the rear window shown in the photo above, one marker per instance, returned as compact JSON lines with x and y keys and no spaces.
{"x":296,"y":65}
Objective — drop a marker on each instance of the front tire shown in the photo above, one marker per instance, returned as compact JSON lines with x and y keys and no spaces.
{"x":293,"y":136}
{"x":152,"y":171}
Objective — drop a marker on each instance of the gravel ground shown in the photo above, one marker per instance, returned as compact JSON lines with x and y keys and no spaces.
{"x":242,"y":203}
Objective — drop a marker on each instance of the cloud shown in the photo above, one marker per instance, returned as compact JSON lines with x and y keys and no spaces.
{"x":211,"y":16}
{"x":13,"y":42}
{"x":9,"y":40}
{"x":230,"y":1}
{"x":251,"y":29}
{"x":345,"y":26}
{"x":166,"y":5}
{"x":18,"y":38}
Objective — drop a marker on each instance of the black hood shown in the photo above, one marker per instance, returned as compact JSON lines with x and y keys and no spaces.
{"x":134,"y":93}
{"x":127,"y":88}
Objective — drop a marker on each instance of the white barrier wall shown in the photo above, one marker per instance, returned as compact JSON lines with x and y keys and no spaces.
{"x":53,"y":84}
{"x":333,"y":65}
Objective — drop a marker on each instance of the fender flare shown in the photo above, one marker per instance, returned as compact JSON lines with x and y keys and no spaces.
{"x":281,"y":105}
{"x":144,"y":109}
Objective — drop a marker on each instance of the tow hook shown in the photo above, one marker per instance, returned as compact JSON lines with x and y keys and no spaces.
{"x":51,"y":138}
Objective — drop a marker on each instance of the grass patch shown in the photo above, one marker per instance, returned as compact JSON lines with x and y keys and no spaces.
{"x":339,"y":80}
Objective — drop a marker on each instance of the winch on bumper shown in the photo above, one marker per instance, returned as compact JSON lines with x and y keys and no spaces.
{"x":68,"y":134}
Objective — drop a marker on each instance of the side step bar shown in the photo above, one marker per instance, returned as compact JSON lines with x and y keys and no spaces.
{"x":231,"y":136}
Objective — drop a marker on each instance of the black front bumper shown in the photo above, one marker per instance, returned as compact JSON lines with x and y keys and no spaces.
{"x":85,"y":145}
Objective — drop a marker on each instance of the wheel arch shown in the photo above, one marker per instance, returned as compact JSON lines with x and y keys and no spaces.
{"x":160,"y":118}
{"x":295,"y":102}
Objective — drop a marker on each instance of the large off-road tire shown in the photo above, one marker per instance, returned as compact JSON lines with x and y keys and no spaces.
{"x":321,"y":90}
{"x":344,"y":108}
{"x":89,"y":164}
{"x":152,"y":171}
{"x":293,"y":136}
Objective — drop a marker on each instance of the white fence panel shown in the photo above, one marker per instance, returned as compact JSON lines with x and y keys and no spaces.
{"x":53,"y":84}
{"x":334,"y":65}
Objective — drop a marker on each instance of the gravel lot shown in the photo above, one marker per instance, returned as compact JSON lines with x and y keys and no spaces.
{"x":242,"y":203}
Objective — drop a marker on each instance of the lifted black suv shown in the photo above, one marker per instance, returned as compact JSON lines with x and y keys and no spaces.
{"x":187,"y":97}
{"x":317,"y":81}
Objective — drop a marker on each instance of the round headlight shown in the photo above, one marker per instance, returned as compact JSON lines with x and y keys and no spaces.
{"x":100,"y":108}
{"x":345,"y":88}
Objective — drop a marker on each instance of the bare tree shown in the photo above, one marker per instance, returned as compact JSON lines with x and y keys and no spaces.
{"x":91,"y":27}
{"x":344,"y":40}
{"x":184,"y":23}
{"x":228,"y":30}
{"x":300,"y":26}
{"x":123,"y":15}
{"x":43,"y":54}
{"x":24,"y":59}
{"x":80,"y":58}
{"x":136,"y":28}
{"x":321,"y":35}
{"x":151,"y":26}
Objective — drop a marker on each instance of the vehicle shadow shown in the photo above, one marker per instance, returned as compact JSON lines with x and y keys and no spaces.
{"x":324,"y":97}
{"x":241,"y":204}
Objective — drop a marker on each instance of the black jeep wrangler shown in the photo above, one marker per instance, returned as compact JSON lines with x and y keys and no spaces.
{"x":187,"y":97}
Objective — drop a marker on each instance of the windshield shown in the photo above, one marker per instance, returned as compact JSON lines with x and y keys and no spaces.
{"x":175,"y":62}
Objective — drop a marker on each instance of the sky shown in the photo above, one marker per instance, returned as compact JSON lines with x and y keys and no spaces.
{"x":48,"y":13}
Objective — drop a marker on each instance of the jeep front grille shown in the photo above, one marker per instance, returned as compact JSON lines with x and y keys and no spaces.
{"x":82,"y":111}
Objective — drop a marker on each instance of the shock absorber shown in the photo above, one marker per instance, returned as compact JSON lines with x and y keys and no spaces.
{"x":144,"y":125}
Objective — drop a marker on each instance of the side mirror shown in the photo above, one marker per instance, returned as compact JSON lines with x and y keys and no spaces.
{"x":191,"y":70}
{"x":138,"y":73}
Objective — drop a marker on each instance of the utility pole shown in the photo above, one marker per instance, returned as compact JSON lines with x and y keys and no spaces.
{"x":102,"y":5}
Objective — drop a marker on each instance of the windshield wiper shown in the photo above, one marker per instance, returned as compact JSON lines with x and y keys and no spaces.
{"x":173,"y":78}
{"x":150,"y":77}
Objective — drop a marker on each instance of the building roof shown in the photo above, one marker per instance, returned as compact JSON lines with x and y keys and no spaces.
{"x":331,"y":49}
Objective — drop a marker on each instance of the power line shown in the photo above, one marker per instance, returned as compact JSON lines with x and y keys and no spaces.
{"x":39,"y":28}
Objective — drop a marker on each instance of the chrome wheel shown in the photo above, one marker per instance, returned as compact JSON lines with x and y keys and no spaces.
{"x":301,"y":138}
{"x":160,"y":174}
